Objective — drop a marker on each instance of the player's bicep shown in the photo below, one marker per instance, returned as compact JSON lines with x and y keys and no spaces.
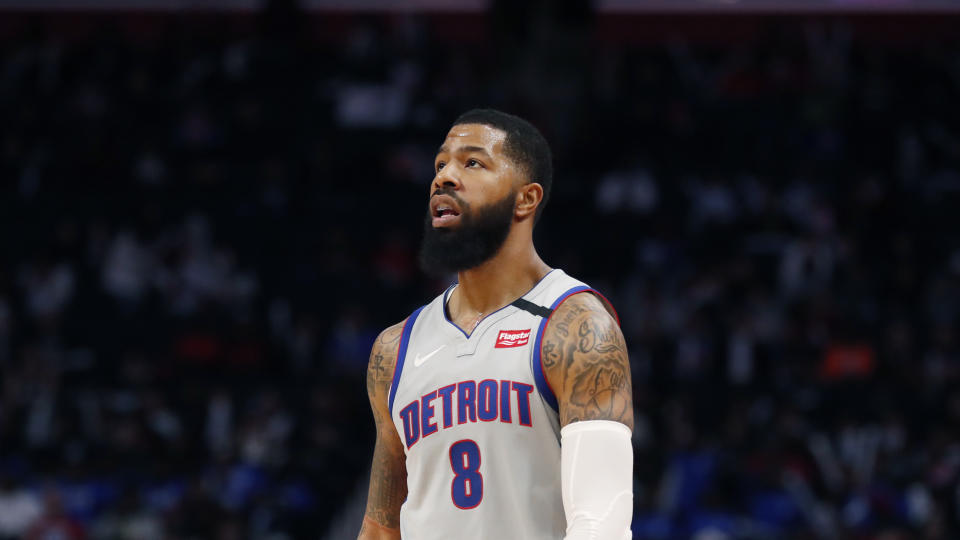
{"x":585,"y":360}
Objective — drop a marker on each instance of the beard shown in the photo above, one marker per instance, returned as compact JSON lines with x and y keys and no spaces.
{"x":477,"y":238}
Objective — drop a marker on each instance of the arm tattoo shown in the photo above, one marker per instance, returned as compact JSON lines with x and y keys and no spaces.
{"x":382,"y":359}
{"x":388,"y":473}
{"x":585,"y":360}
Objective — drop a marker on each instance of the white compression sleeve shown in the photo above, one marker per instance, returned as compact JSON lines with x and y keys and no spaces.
{"x":596,"y":470}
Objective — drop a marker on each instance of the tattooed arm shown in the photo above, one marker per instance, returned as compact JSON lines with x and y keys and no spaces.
{"x":388,"y":473}
{"x":585,"y":361}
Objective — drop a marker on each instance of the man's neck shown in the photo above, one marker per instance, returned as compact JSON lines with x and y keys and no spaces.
{"x":508,"y":275}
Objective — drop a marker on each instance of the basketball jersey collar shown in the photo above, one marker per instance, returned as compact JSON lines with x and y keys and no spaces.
{"x":455,"y":330}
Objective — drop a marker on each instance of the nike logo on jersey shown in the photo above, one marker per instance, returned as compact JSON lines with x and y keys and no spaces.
{"x":417,"y":360}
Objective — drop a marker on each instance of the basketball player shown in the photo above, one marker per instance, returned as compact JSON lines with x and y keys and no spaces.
{"x":503,"y":407}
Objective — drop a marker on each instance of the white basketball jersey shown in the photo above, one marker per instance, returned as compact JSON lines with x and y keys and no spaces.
{"x":479,"y":422}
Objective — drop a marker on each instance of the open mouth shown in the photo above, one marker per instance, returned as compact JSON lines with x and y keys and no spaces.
{"x":444,"y":210}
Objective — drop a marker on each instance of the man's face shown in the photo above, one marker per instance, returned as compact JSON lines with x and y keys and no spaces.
{"x":472,"y":200}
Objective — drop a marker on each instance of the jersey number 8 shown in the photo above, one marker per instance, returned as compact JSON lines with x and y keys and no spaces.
{"x":467,"y":487}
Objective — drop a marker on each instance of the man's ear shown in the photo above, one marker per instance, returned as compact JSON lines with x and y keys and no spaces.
{"x":529,"y":197}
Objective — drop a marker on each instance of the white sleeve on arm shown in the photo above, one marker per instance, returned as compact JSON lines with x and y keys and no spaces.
{"x":596,"y":470}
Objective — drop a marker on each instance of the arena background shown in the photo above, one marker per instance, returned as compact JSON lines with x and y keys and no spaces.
{"x":208,"y":210}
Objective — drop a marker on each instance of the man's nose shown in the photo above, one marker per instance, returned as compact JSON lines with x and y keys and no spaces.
{"x":445,"y":178}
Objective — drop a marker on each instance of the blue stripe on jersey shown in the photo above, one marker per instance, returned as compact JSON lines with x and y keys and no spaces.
{"x":538,"y":377}
{"x":402,"y":354}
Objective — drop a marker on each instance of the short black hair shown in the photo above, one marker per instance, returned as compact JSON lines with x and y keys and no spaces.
{"x":524,"y":144}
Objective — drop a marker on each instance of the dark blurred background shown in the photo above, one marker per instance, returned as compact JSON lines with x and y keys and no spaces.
{"x":207,"y":215}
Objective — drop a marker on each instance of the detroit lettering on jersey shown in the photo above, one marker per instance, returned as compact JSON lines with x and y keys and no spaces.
{"x":485,"y":401}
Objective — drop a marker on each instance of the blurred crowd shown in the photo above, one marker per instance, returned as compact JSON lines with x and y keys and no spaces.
{"x":203,"y":232}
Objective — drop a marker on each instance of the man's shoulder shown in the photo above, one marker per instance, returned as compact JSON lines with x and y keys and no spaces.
{"x":585,"y":359}
{"x":386,"y":343}
{"x":585,"y":301}
{"x":578,"y":316}
{"x":580,"y":321}
{"x":383,"y":358}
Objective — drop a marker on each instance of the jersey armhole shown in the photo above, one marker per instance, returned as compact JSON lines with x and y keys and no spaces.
{"x":401,"y":355}
{"x":539,"y":378}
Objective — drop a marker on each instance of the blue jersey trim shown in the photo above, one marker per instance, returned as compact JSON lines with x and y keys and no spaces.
{"x":543,"y":387}
{"x":402,"y":354}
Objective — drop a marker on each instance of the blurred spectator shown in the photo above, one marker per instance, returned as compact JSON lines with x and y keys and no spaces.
{"x":54,"y":522}
{"x":19,"y":508}
{"x":129,"y":519}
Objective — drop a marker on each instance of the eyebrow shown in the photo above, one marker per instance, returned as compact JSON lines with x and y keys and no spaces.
{"x":478,"y":149}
